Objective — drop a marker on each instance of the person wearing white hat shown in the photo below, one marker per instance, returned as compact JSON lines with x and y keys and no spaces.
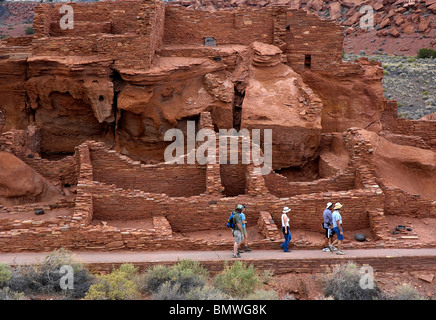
{"x":327,"y":225}
{"x":337,"y":226}
{"x":286,"y":229}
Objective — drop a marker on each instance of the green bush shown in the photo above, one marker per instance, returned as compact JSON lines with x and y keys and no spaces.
{"x":237,"y":280}
{"x":45,"y":277}
{"x":186,"y":273}
{"x":5,"y":274}
{"x":207,"y":293}
{"x":29,"y":30}
{"x":118,"y":285}
{"x":169,"y":291}
{"x":343,"y":283}
{"x":425,"y":53}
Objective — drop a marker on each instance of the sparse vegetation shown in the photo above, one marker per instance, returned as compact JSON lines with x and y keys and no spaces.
{"x":179,"y":279}
{"x":118,"y":285}
{"x":237,"y":280}
{"x":45,"y":277}
{"x":406,"y":292}
{"x":186,"y":280}
{"x":343,"y":283}
{"x":5,"y":274}
{"x":425,"y":53}
{"x":29,"y":30}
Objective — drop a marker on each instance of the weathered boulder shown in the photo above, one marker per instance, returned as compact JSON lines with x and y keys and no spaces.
{"x":21,"y":184}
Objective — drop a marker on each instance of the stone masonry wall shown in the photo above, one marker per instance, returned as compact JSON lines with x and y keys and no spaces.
{"x":236,"y":26}
{"x":110,"y":168}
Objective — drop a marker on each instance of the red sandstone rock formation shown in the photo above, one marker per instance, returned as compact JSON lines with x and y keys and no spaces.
{"x":276,"y":98}
{"x":349,"y":100}
{"x":21,"y":184}
{"x":409,"y":168}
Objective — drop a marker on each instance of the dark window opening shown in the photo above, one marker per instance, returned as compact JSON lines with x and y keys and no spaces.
{"x":210,"y":42}
{"x":307,"y":61}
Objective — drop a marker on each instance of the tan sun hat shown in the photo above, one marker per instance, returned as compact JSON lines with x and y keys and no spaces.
{"x":286,"y":210}
{"x":337,"y":206}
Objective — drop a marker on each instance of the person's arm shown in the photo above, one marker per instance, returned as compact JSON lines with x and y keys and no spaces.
{"x":239,"y":226}
{"x":338,"y":223}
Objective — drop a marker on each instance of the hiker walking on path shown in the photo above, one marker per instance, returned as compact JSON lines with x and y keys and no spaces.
{"x":244,"y":231}
{"x":337,"y":227}
{"x":286,"y":229}
{"x":327,"y":225}
{"x":237,"y":230}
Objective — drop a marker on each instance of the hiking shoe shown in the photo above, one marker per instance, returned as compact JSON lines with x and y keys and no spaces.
{"x":334,"y":248}
{"x":237,"y":255}
{"x":340,"y":252}
{"x":331,"y":248}
{"x":247,"y":249}
{"x":325,"y":249}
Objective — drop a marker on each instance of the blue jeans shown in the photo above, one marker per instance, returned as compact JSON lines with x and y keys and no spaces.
{"x":288,"y":237}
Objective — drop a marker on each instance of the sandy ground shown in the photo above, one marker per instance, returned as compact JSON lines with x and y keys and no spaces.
{"x":17,"y":30}
{"x":407,"y":45}
{"x":424,"y":228}
{"x":30,"y":215}
{"x":309,"y":286}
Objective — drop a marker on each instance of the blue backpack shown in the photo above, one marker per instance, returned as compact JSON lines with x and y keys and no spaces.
{"x":230,"y":221}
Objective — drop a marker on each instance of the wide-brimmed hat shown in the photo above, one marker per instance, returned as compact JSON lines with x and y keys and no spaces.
{"x":338,"y":206}
{"x":329,"y":204}
{"x":286,"y":210}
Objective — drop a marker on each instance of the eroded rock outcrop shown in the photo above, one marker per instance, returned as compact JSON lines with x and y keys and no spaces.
{"x":71,"y":99}
{"x":276,"y":98}
{"x":173,"y":91}
{"x":21,"y":184}
{"x":350,"y":100}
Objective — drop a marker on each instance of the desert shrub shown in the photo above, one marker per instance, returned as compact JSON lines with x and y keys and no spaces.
{"x":192,"y":265}
{"x":343,"y":283}
{"x":425,"y":53}
{"x":151,"y":280}
{"x":266,"y":276}
{"x":207,"y":293}
{"x":117,"y":285}
{"x":5,"y":274}
{"x":29,"y":30}
{"x":406,"y":292}
{"x":188,"y":274}
{"x":45,"y":277}
{"x":168,"y":291}
{"x":237,"y":280}
{"x":7,"y":294}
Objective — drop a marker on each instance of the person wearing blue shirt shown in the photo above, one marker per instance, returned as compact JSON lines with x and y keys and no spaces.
{"x":337,"y":226}
{"x":244,"y":231}
{"x":328,"y":227}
